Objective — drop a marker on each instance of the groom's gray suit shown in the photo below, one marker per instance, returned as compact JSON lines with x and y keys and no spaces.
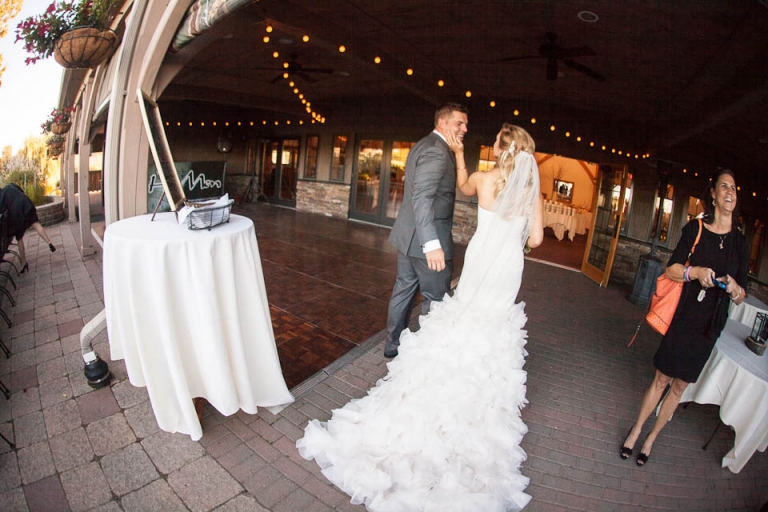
{"x":426,"y":214}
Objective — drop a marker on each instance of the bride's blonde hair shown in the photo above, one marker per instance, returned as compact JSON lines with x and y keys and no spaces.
{"x":512,"y":140}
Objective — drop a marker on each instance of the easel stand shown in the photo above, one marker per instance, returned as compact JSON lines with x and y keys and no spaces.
{"x":154,"y":212}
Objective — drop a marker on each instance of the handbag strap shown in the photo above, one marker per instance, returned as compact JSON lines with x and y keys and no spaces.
{"x":695,"y":243}
{"x":693,"y":248}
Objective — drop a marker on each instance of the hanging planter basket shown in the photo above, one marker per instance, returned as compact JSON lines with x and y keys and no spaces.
{"x":60,"y":128}
{"x":84,"y":47}
{"x":54,"y":151}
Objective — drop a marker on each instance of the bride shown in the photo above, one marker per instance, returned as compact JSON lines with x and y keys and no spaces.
{"x":442,"y":431}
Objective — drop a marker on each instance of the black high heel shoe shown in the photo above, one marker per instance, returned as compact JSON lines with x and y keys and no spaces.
{"x":24,"y":268}
{"x":625,"y":452}
{"x":642,"y":459}
{"x":52,"y":247}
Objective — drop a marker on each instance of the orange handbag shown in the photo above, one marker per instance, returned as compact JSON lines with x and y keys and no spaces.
{"x":667,"y":296}
{"x":665,"y":300}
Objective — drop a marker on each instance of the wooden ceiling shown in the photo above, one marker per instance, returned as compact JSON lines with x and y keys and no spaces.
{"x":685,"y":81}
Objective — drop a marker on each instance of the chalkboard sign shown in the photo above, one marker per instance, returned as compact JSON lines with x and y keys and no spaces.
{"x":199,"y":180}
{"x":161,"y":152}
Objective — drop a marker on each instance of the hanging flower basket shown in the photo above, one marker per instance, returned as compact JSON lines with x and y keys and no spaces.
{"x":55,"y":151}
{"x":60,"y":128}
{"x":55,"y":141}
{"x":84,"y":47}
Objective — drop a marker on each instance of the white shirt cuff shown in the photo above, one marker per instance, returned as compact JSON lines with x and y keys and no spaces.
{"x":431,"y":245}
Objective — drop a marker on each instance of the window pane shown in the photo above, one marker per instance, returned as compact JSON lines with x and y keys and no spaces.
{"x":368,"y":175}
{"x":486,"y":159}
{"x":666,"y":214}
{"x":339,"y":158}
{"x":310,"y":169}
{"x":627,"y":203}
{"x":400,"y":152}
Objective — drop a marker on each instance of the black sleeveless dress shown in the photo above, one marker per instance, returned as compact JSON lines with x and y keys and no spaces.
{"x":17,"y":210}
{"x":685,"y":348}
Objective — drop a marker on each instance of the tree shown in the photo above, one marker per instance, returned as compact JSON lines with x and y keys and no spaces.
{"x":9,"y":9}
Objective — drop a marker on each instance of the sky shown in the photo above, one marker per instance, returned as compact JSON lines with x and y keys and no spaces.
{"x":28,"y":93}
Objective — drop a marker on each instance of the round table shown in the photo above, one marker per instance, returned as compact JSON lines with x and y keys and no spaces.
{"x":736,"y":379}
{"x":188,"y":312}
{"x":747,"y":310}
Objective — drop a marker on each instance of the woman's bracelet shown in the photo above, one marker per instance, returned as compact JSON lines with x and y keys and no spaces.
{"x":687,"y":274}
{"x":737,"y":295}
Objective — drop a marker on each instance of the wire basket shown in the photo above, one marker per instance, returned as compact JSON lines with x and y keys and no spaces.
{"x":208,"y":217}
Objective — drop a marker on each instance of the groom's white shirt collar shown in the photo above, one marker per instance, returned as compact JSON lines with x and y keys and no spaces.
{"x":441,"y":136}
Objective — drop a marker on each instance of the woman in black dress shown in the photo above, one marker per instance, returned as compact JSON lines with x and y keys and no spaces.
{"x":18,"y":214}
{"x":721,"y":255}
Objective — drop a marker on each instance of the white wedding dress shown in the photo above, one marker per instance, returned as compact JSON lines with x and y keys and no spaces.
{"x":442,"y":431}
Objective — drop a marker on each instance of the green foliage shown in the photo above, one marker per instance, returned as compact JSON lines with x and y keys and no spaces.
{"x":25,"y":170}
{"x":39,"y":33}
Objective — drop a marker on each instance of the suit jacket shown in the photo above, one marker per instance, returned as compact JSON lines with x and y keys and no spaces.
{"x":428,"y":199}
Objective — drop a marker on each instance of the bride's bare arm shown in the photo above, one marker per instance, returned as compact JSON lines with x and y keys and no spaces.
{"x":536,"y":235}
{"x":463,"y":181}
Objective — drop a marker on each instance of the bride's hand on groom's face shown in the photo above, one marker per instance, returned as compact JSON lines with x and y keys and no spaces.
{"x":454,"y":143}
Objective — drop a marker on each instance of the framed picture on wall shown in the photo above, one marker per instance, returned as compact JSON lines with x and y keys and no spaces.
{"x":563,"y":191}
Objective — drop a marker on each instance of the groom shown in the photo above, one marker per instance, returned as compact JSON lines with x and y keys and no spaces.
{"x":422,"y":231}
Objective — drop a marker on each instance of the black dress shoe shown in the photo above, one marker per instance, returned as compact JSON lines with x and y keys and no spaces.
{"x":390,"y":351}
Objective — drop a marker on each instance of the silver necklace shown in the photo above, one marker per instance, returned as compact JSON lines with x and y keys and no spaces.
{"x":722,"y":239}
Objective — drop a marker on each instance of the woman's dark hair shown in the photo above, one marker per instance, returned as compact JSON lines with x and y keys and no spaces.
{"x":707,"y":202}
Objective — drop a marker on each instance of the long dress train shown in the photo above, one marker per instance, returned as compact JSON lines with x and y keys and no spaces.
{"x":442,"y":431}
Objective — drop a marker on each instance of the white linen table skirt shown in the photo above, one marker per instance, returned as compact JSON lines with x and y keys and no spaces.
{"x":747,"y":310}
{"x":736,"y":379}
{"x":188,"y":312}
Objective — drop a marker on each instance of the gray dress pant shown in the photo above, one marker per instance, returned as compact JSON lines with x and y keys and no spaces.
{"x":413,"y":273}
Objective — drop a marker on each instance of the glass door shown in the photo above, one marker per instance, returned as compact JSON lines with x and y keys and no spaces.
{"x":279,"y":171}
{"x":379,"y":170}
{"x":608,"y":215}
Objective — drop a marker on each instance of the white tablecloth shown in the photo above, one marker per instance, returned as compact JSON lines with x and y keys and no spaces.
{"x":188,"y":312}
{"x":736,"y":379}
{"x":747,"y":310}
{"x":575,"y":223}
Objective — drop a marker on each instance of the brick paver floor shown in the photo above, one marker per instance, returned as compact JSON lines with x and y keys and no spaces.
{"x":83,"y":449}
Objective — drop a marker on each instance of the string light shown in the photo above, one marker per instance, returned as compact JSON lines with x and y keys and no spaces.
{"x":377,"y":59}
{"x":268,"y":28}
{"x":533,"y":120}
{"x":493,"y":104}
{"x":516,"y":112}
{"x":342,"y":49}
{"x":305,"y":38}
{"x":409,"y":71}
{"x":440,"y":83}
{"x":552,"y":128}
{"x":275,"y":55}
{"x":468,"y":94}
{"x":265,"y":39}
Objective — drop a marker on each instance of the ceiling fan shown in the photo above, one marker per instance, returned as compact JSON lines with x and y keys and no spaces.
{"x":293,"y":67}
{"x":554,"y":53}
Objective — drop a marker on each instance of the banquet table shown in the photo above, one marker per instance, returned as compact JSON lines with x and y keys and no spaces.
{"x":747,"y":310}
{"x":736,"y":379}
{"x":562,"y":221}
{"x":188,"y":312}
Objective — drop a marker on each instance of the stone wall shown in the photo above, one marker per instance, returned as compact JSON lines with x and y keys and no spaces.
{"x":627,"y":259}
{"x":464,"y":222}
{"x":329,"y":199}
{"x":52,"y":212}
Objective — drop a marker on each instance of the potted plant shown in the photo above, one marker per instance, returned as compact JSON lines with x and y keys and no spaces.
{"x":74,"y":32}
{"x":59,"y":121}
{"x":55,"y":141}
